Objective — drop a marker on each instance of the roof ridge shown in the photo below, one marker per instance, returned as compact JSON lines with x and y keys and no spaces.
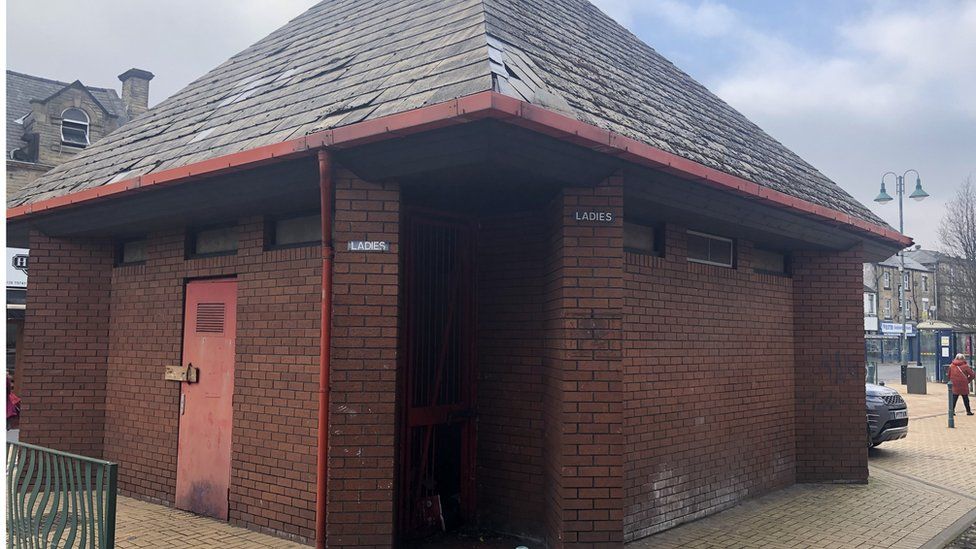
{"x":397,"y":56}
{"x":53,"y":81}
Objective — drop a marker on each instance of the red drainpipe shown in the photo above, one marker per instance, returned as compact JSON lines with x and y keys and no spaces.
{"x":325,"y":346}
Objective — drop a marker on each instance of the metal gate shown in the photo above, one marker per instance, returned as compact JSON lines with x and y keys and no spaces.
{"x":437,"y":484}
{"x":57,"y":499}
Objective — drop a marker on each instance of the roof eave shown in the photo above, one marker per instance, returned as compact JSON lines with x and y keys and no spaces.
{"x":487,"y":104}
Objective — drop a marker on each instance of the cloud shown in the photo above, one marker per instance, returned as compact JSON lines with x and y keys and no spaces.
{"x":178,"y":40}
{"x":915,"y":60}
{"x":892,"y":87}
{"x":705,"y":19}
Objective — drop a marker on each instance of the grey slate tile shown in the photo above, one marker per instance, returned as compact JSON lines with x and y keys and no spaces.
{"x":344,"y":61}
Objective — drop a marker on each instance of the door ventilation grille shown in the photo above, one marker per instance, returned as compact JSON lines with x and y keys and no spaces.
{"x":210,"y":318}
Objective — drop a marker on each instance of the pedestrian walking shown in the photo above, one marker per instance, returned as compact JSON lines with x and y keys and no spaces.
{"x":13,"y":406}
{"x":960,"y":374}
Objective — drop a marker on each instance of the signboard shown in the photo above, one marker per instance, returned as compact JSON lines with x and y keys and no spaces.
{"x":895,"y":328}
{"x":870,"y":324}
{"x":17,"y":259}
{"x":368,"y":246}
{"x":598,"y":217}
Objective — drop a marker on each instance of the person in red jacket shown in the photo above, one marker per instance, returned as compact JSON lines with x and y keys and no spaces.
{"x":960,"y":374}
{"x":13,"y":406}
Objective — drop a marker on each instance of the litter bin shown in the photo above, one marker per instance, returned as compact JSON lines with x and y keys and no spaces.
{"x":917,"y":380}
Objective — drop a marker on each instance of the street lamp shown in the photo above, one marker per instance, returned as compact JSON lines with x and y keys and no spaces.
{"x":883,"y":198}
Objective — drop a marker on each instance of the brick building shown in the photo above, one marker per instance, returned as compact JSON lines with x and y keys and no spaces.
{"x":48,"y":122}
{"x":559,"y":289}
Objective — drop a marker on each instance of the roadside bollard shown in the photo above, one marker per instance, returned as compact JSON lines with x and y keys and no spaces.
{"x":952,"y":413}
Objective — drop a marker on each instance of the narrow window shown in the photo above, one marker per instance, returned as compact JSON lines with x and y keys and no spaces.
{"x":293,"y":231}
{"x":212,"y":241}
{"x":907,"y":281}
{"x":74,"y":128}
{"x":887,"y":280}
{"x":887,"y":308}
{"x":769,"y":262}
{"x":130,"y":252}
{"x":925,"y":283}
{"x":710,"y":249}
{"x":643,"y":238}
{"x":925,"y":308}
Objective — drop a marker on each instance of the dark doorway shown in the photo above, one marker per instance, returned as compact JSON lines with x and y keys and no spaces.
{"x":437,"y":395}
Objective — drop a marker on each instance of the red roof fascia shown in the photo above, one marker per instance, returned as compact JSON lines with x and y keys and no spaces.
{"x":458,"y":111}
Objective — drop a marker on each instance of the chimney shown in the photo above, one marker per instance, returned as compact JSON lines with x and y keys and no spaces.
{"x":135,"y":91}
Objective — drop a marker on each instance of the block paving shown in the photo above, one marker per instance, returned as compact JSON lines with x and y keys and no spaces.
{"x":919,"y":488}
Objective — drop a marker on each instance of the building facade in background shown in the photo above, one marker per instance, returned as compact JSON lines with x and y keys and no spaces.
{"x":48,"y":121}
{"x":883,"y":328}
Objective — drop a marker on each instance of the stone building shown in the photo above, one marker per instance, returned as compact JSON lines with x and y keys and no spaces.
{"x":953,"y":295}
{"x":887,"y":281}
{"x":488,"y":263}
{"x":49,"y":122}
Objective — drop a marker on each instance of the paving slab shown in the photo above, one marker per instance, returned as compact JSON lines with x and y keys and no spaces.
{"x":921,"y":493}
{"x":140,"y":524}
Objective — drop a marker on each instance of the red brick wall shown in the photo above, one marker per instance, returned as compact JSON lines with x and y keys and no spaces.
{"x":276,"y":378}
{"x":364,"y":365}
{"x":510,"y":373}
{"x":275,"y":382}
{"x":62,"y":385}
{"x":708,"y":386}
{"x":582,"y":402}
{"x":829,"y":332}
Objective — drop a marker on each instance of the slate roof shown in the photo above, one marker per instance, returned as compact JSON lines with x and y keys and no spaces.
{"x":926,"y":257}
{"x":344,"y":61}
{"x":22,"y":88}
{"x":910,"y":263}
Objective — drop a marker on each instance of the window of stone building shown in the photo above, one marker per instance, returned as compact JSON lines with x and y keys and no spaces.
{"x":925,"y":283}
{"x":74,"y":127}
{"x":211,"y":241}
{"x":907,"y":281}
{"x":290,"y":231}
{"x":710,"y":249}
{"x":643,"y":238}
{"x":887,"y":307}
{"x":925,"y":308}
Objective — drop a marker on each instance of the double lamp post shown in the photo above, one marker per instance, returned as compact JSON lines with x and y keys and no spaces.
{"x":883,"y":198}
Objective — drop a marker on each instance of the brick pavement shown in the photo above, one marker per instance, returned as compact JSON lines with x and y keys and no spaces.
{"x":142,"y":524}
{"x":921,"y":488}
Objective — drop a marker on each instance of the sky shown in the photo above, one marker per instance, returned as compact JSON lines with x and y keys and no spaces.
{"x":855,"y":87}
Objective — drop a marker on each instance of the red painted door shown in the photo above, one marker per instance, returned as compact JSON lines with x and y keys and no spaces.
{"x":206,"y":407}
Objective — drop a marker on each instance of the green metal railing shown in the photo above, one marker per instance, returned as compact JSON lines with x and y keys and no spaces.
{"x":56,"y":499}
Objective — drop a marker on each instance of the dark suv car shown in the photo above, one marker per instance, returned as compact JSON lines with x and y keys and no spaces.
{"x":887,"y":414}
